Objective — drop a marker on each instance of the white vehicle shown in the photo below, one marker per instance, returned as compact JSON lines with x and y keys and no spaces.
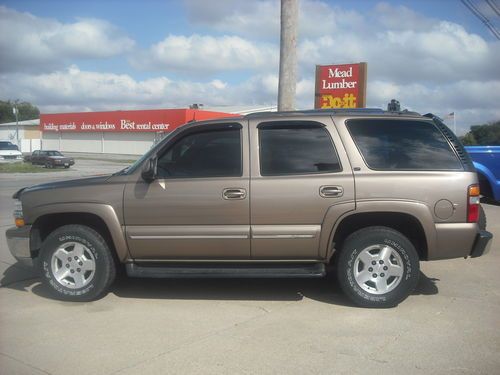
{"x":9,"y":152}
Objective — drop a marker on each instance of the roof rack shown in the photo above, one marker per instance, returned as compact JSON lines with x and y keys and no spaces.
{"x":331,"y":111}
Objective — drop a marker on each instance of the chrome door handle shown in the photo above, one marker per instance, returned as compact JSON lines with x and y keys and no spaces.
{"x":234,"y":193}
{"x":331,"y":191}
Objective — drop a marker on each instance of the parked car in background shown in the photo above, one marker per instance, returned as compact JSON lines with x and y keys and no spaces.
{"x":50,"y":159}
{"x":487,"y":163}
{"x":9,"y":152}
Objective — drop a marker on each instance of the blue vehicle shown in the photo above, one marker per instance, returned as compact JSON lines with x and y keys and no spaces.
{"x":487,"y":162}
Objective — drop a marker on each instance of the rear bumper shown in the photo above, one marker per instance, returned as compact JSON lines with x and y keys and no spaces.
{"x":18,"y":241}
{"x":482,"y":244}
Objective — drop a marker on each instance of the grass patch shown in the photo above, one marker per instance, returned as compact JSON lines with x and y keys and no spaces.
{"x":26,"y":168}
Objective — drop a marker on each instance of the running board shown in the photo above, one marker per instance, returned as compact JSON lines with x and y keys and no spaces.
{"x":215,"y":271}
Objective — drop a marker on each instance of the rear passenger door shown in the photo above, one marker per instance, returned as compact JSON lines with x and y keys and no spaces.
{"x":301,"y":181}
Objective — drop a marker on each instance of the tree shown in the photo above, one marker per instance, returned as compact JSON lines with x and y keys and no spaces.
{"x":27,"y":111}
{"x":483,"y":135}
{"x":468,"y":139}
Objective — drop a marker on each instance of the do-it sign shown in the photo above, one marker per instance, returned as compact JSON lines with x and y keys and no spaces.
{"x":340,"y":86}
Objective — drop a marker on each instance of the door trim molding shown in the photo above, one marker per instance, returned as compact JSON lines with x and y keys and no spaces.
{"x":191,"y":237}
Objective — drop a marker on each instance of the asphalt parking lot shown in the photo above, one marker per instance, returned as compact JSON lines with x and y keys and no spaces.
{"x":450,"y":325}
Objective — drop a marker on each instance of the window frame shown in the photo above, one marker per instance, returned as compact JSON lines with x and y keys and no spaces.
{"x":452,"y":149}
{"x":203,"y":129}
{"x":287,"y":124}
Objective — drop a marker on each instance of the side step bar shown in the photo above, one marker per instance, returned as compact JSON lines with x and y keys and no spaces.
{"x":218,"y":270}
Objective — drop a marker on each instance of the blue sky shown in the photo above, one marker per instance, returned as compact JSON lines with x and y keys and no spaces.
{"x":99,"y":55}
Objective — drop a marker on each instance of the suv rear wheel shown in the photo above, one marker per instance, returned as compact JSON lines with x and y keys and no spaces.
{"x":76,"y":263}
{"x":377,"y":267}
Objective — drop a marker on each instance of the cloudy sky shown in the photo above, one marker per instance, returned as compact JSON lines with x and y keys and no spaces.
{"x":433,"y":56}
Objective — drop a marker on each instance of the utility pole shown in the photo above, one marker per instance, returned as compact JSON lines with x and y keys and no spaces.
{"x":16,"y":113}
{"x":288,"y":55}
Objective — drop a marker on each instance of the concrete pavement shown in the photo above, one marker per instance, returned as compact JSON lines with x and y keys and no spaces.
{"x":450,"y":325}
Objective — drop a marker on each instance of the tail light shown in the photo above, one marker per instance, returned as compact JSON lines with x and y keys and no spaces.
{"x":473,"y":204}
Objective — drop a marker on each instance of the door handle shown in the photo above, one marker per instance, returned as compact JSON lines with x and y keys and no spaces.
{"x":234,"y":193}
{"x":329,"y":191}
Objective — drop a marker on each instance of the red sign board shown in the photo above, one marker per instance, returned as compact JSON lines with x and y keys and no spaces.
{"x":340,"y":86}
{"x":156,"y":120}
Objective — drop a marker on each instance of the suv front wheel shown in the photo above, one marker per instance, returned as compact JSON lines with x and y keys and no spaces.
{"x":378,"y":267}
{"x":76,"y":263}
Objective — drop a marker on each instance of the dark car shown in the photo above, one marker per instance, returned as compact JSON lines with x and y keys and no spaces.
{"x":50,"y":159}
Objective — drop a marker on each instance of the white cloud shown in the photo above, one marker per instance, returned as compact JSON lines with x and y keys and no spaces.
{"x":261,"y":19}
{"x":74,"y":89}
{"x":30,"y":43}
{"x":201,"y":54}
{"x":430,"y":65}
{"x":440,"y":54}
{"x":77,"y":90}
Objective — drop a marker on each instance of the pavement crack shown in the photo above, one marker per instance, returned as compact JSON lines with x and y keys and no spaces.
{"x":26,"y":364}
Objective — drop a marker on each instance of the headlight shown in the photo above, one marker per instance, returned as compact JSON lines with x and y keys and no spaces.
{"x":18,"y":213}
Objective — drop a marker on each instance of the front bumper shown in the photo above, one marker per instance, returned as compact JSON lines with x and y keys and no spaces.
{"x":482,"y":244}
{"x":18,"y":241}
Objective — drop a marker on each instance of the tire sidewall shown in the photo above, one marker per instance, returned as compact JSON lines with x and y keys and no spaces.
{"x":353,"y":247}
{"x":99,"y":280}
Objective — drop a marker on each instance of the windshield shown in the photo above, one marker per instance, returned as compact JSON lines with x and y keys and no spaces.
{"x":8,"y":146}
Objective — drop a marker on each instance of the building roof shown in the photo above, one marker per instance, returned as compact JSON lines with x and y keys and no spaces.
{"x":35,"y":122}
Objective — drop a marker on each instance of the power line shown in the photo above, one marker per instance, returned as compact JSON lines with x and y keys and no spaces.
{"x":494,"y":7}
{"x":482,"y":17}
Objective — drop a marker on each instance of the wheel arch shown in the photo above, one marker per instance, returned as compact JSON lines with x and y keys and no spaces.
{"x":99,"y":217}
{"x":412,"y":219}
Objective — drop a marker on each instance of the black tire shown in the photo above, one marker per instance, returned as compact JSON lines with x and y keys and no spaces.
{"x":482,"y":219}
{"x":104,"y":265}
{"x":47,"y":165}
{"x":66,"y":166}
{"x":359,"y":241}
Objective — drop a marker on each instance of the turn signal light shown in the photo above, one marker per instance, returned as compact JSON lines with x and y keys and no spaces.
{"x":19,"y":222}
{"x":473,"y":204}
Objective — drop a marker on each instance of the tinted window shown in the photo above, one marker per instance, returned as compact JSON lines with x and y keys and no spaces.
{"x":296,"y":148}
{"x":7,"y":146}
{"x":406,"y":145}
{"x":215,"y":153}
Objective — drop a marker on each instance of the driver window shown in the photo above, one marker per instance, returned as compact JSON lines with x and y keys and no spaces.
{"x":209,"y":153}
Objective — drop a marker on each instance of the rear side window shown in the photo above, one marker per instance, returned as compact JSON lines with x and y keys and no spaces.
{"x":403,"y":145}
{"x":288,"y":148}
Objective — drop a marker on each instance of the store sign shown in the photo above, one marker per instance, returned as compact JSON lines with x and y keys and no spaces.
{"x":340,"y":86}
{"x":157,"y":120}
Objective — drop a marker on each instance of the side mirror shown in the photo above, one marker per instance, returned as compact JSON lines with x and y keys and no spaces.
{"x":149,"y":170}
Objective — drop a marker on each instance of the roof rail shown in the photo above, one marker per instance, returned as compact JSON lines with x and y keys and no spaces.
{"x":331,"y":111}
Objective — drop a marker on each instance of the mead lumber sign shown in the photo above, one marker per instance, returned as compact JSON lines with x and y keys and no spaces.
{"x":340,"y":86}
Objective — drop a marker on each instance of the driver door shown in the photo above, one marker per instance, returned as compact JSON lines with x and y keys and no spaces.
{"x":198,"y":206}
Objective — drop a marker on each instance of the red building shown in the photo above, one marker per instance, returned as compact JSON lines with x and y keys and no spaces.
{"x":115,"y":132}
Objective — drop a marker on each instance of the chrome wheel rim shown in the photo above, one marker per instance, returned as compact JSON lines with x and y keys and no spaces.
{"x":378,"y":269}
{"x":73,"y":265}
